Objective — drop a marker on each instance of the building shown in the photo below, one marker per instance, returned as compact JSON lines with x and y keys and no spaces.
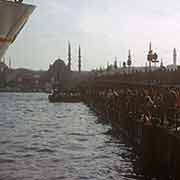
{"x":27,"y":80}
{"x":3,"y":72}
{"x":58,"y":73}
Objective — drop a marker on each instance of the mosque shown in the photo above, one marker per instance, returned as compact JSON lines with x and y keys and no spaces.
{"x":61,"y":74}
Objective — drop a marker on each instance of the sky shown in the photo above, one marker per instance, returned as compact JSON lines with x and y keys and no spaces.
{"x":103,"y":28}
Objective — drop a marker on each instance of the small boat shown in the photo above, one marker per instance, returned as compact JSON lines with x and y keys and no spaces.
{"x":66,"y":96}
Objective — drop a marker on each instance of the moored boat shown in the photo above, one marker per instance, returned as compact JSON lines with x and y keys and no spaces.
{"x":65,"y":96}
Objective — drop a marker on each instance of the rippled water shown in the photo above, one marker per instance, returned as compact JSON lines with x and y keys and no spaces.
{"x":42,"y":140}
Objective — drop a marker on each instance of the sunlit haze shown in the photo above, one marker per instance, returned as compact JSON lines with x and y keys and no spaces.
{"x":103,"y":28}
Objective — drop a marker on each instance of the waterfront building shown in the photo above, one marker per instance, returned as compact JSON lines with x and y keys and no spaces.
{"x":3,"y":72}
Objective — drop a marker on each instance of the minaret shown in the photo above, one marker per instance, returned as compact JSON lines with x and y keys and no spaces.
{"x":115,"y":63}
{"x":69,"y":56}
{"x":108,"y":65}
{"x":149,"y":56}
{"x":146,"y":67}
{"x":9,"y":62}
{"x":161,"y":64}
{"x":150,"y":50}
{"x":174,"y":57}
{"x":120,"y":64}
{"x":129,"y":61}
{"x":79,"y":59}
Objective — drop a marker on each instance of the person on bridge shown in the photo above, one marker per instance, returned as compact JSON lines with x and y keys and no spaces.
{"x":18,"y":1}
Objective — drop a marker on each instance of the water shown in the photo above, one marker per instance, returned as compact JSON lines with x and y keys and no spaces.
{"x":45,"y":141}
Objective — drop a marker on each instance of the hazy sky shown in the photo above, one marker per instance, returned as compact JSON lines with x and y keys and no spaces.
{"x":103,"y":28}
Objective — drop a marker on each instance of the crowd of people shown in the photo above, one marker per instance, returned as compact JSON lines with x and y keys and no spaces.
{"x":18,"y":1}
{"x":150,"y":104}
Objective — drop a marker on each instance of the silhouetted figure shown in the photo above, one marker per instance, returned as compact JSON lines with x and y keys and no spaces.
{"x":18,"y":1}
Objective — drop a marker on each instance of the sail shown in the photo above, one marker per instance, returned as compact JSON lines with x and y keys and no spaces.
{"x":13,"y":16}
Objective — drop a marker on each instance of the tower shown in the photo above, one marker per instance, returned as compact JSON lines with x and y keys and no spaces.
{"x":149,"y":56}
{"x":161,"y":64}
{"x":150,"y":50}
{"x":146,"y":67}
{"x":69,"y":56}
{"x":120,"y":64}
{"x":107,"y":66}
{"x":129,"y":61}
{"x":115,"y":63}
{"x":79,"y":59}
{"x":174,"y":57}
{"x":9,"y":62}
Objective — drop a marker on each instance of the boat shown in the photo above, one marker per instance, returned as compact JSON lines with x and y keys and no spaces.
{"x":13,"y":17}
{"x":70,"y":96}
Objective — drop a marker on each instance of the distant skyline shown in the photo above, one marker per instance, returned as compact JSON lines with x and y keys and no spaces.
{"x":103,"y":28}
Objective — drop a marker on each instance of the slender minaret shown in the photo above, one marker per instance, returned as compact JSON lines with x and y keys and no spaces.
{"x":150,"y":47}
{"x":129,"y":61}
{"x":79,"y":59}
{"x":9,"y":62}
{"x":161,"y":64}
{"x":69,"y":56}
{"x":174,"y":57}
{"x":149,"y":56}
{"x":120,"y":64}
{"x":108,"y":65}
{"x":115,"y":63}
{"x":146,"y":67}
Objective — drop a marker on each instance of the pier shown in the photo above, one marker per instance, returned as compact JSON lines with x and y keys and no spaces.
{"x":147,"y":114}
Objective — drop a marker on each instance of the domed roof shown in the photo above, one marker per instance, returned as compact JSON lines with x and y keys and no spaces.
{"x":59,"y":62}
{"x":59,"y":65}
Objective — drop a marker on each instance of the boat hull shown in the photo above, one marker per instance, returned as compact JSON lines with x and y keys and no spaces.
{"x":13,"y":17}
{"x":65,"y":99}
